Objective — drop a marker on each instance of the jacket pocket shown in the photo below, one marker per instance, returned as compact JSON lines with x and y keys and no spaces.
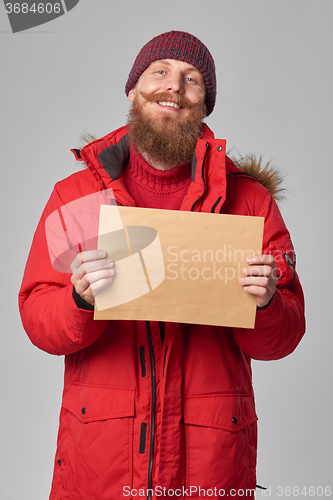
{"x":96,"y":457}
{"x":221,"y":439}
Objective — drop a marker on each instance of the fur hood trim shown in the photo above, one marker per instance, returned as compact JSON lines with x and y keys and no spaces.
{"x":87,"y":138}
{"x":266,"y":173}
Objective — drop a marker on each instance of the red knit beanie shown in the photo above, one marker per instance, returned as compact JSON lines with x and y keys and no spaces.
{"x":183,"y":47}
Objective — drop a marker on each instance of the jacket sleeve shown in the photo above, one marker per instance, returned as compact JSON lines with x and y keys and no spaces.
{"x":49,"y":314}
{"x":280,"y":326}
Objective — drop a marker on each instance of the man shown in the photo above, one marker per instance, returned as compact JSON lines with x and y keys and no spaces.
{"x":150,"y":408}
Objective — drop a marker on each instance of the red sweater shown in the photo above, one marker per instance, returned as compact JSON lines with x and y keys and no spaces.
{"x":151,"y":188}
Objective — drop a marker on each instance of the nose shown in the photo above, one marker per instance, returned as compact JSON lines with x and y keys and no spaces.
{"x":175,"y":83}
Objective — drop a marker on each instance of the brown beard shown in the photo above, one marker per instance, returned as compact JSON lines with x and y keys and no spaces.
{"x":165,"y":141}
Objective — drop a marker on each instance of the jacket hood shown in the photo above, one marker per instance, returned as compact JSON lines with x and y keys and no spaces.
{"x":266,"y":173}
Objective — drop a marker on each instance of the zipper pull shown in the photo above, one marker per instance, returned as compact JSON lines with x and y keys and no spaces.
{"x":291,"y":265}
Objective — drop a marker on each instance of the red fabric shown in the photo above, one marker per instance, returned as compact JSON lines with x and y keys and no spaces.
{"x":205,"y":420}
{"x":151,"y":188}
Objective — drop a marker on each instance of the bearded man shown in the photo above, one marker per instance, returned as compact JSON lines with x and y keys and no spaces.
{"x":157,"y":409}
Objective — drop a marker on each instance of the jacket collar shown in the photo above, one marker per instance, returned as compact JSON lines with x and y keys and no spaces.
{"x":106,"y":156}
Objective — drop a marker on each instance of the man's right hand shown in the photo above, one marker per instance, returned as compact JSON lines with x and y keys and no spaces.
{"x":92,"y":271}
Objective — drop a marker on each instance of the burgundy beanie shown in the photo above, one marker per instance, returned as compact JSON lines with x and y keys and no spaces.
{"x":183,"y":47}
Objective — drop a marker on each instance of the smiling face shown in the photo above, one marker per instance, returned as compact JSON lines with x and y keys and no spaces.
{"x":170,"y":88}
{"x":168,"y":106}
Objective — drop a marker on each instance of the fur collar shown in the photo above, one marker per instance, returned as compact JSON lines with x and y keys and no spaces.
{"x":266,"y":173}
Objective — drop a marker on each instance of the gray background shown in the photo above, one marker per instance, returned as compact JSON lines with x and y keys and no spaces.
{"x":274,"y":67}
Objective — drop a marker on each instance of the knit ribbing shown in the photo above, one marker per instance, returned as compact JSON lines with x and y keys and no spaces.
{"x":151,"y":188}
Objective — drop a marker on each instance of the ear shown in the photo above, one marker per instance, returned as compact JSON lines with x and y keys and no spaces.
{"x":131,"y":94}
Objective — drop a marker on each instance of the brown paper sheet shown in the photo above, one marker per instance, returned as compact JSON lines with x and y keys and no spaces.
{"x":177,"y":266}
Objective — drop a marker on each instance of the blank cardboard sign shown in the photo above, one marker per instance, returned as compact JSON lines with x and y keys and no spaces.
{"x":177,"y":266}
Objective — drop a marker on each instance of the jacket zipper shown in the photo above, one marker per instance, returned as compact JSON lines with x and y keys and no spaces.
{"x":153,"y":401}
{"x":203,"y":178}
{"x":290,"y":263}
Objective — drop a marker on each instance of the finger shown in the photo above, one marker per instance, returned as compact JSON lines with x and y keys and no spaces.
{"x":96,"y":265}
{"x":76,"y":277}
{"x":93,"y":277}
{"x":88,"y":291}
{"x":261,"y":281}
{"x":87,"y":256}
{"x":260,"y":259}
{"x":258,"y":291}
{"x":263,"y":270}
{"x":94,"y":281}
{"x":99,"y":285}
{"x":81,"y":285}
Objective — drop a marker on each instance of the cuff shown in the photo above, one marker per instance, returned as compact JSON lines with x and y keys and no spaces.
{"x":80,"y":302}
{"x":263,"y":307}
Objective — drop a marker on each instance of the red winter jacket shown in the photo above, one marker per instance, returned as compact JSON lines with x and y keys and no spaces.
{"x":138,"y":413}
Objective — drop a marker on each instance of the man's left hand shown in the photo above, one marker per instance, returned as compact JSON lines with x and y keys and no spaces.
{"x":260,"y":278}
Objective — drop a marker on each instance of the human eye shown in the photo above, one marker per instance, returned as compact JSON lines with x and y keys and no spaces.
{"x":160,"y":72}
{"x":190,"y":79}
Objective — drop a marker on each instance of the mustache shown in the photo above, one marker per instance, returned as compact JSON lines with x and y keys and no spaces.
{"x":178,"y":99}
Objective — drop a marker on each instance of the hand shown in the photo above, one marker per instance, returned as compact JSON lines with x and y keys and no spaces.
{"x":91,"y":272}
{"x":260,"y":278}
